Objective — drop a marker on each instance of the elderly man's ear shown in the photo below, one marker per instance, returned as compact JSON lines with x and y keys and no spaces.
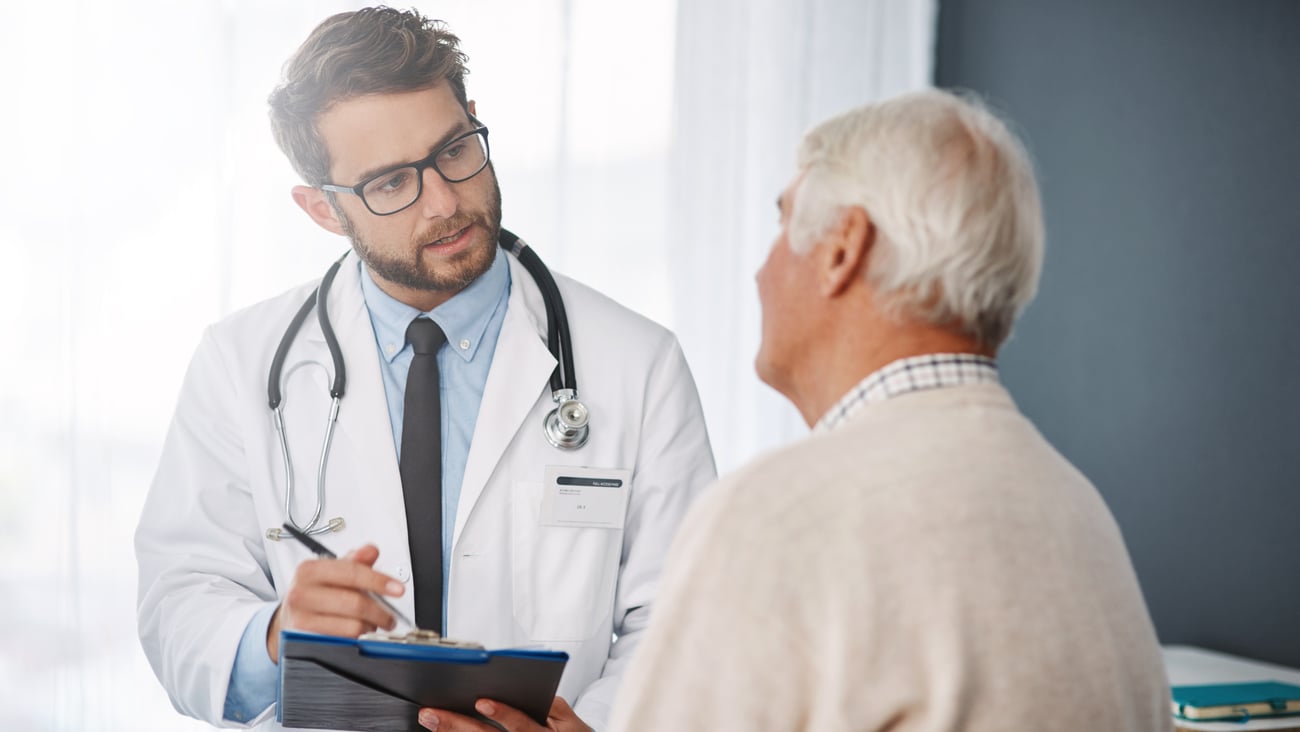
{"x":842,"y":253}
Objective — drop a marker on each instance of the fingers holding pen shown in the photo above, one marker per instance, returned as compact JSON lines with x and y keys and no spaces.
{"x":331,"y":595}
{"x":335,"y":611}
{"x":354,"y":570}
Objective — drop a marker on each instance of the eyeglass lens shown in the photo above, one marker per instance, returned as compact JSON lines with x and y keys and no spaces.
{"x":399,"y":188}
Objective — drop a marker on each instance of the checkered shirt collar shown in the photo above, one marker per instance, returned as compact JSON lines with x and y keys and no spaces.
{"x":932,"y":371}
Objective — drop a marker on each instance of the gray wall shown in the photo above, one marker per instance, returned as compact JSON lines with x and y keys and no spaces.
{"x":1162,"y":353}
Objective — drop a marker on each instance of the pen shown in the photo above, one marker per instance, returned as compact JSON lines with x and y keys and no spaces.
{"x":323,"y":551}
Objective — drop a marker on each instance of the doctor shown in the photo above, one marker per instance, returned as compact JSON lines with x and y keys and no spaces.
{"x":373,"y":115}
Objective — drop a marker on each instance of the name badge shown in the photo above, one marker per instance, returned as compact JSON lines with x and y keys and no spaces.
{"x":585,"y":497}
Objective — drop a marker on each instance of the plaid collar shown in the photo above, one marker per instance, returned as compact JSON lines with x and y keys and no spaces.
{"x":932,"y":371}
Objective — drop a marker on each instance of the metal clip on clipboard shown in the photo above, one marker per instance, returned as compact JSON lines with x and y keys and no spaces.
{"x":419,"y":637}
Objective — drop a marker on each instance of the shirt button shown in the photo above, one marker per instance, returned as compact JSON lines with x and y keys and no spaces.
{"x":464,"y":345}
{"x":390,"y":348}
{"x":403,"y":573}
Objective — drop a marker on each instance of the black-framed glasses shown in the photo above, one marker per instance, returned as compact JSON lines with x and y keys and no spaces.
{"x":395,"y":189}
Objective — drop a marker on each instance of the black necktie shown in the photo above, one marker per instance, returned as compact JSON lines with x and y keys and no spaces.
{"x":421,"y":469}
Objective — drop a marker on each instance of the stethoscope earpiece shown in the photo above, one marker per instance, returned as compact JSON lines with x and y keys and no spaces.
{"x":334,"y":524}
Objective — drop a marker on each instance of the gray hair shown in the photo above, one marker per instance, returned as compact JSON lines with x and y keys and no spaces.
{"x":952,"y":194}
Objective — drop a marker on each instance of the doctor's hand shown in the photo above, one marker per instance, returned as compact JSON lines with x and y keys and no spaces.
{"x":561,"y":718}
{"x":329,"y":596}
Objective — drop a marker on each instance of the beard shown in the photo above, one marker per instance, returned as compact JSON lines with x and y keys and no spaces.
{"x":451,"y":274}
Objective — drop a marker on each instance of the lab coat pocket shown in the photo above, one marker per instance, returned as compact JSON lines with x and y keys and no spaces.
{"x":563,"y":577}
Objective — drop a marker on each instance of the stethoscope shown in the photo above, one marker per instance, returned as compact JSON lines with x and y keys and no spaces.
{"x":565,"y":427}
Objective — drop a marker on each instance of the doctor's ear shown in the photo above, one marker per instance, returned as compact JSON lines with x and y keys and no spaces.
{"x":317,"y":205}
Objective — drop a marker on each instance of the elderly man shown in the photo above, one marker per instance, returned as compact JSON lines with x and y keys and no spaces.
{"x":925,"y":560}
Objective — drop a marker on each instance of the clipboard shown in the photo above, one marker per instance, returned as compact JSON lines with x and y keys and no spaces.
{"x":1235,"y":702}
{"x":379,"y":682}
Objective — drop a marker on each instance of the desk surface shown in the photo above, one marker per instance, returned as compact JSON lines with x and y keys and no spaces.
{"x":1186,"y":665}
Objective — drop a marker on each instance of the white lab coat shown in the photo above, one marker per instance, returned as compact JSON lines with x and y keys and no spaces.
{"x":206,"y":566}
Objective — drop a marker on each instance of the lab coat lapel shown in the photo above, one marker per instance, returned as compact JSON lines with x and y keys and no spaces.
{"x":521,"y":367}
{"x":364,"y":429}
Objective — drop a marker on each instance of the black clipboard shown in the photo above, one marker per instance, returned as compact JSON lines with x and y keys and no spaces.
{"x":327,"y":682}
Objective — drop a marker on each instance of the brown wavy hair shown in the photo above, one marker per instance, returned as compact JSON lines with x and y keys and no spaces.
{"x":370,"y":51}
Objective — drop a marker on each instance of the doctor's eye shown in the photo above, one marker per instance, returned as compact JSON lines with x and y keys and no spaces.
{"x":391,"y":183}
{"x":453,"y":152}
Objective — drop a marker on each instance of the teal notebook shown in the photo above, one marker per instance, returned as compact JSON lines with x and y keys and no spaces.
{"x":1237,"y":702}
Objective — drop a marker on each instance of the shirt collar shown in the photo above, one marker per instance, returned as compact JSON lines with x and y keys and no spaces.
{"x":931,"y":371}
{"x":464,"y":318}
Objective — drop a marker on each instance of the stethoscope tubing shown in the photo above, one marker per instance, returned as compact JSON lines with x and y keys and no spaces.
{"x":564,"y":382}
{"x":558,"y":340}
{"x":316,"y":299}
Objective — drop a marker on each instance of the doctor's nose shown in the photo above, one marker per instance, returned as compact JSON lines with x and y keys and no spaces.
{"x":438,"y":198}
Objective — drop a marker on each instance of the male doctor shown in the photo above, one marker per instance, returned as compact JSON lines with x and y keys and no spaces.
{"x":373,"y":115}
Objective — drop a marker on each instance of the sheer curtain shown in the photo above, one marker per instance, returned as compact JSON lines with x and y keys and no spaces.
{"x":142,"y":198}
{"x":751,"y":76}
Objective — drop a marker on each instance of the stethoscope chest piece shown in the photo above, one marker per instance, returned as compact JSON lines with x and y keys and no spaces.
{"x":566,"y":426}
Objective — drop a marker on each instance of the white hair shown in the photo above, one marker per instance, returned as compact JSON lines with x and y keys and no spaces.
{"x":951,"y":192}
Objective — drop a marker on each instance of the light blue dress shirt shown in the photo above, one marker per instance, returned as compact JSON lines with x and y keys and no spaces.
{"x":472,"y":321}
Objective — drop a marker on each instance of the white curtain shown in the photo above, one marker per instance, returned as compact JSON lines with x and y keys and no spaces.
{"x":141,"y":197}
{"x":752,"y":76}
